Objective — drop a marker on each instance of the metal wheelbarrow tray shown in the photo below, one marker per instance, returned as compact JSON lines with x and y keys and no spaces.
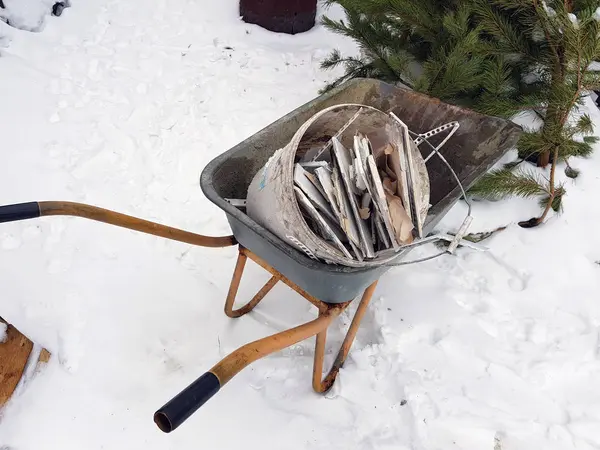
{"x":477,"y":145}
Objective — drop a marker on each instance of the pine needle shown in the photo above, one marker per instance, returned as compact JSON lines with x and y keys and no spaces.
{"x":503,"y":183}
{"x":557,"y":205}
{"x":585,"y":125}
{"x":571,"y":147}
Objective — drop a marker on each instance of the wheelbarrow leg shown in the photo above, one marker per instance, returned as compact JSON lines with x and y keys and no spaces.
{"x":324,"y":385}
{"x":232,"y":364}
{"x":235,"y":284}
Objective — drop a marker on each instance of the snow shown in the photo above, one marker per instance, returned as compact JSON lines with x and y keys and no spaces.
{"x":3,"y":328}
{"x":29,"y":15}
{"x":121,"y":105}
{"x":594,"y":66}
{"x":573,"y":19}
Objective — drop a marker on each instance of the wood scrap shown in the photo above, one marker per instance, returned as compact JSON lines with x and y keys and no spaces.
{"x":15,"y":352}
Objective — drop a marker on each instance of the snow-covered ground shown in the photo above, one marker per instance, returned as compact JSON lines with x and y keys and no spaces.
{"x":121,"y":104}
{"x":29,"y":15}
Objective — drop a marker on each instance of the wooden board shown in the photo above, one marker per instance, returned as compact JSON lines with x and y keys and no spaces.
{"x":14,"y":353}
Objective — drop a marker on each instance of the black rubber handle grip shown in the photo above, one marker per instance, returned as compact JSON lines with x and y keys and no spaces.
{"x":186,"y":403}
{"x":20,"y":211}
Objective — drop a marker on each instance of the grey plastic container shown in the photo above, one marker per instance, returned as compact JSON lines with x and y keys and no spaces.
{"x":477,"y":145}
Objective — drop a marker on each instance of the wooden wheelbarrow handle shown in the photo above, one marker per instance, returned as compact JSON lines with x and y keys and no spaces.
{"x":183,"y":405}
{"x":24,"y":211}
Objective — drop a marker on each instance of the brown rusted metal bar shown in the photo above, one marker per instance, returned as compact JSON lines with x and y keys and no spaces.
{"x":259,"y":295}
{"x":262,"y":263}
{"x":320,"y":342}
{"x":242,"y":357}
{"x":235,"y":284}
{"x":319,"y":384}
{"x":132,"y":223}
{"x":325,"y":384}
{"x":182,"y":406}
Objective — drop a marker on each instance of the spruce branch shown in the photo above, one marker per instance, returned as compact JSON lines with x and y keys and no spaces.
{"x":503,"y":183}
{"x":553,"y":191}
{"x":499,"y":26}
{"x":573,"y":148}
{"x":585,"y":125}
{"x":555,"y":202}
{"x":546,"y":25}
{"x":496,"y":56}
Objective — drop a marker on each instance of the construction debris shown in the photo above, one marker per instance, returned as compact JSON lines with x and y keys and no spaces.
{"x":363,"y":200}
{"x":351,"y":187}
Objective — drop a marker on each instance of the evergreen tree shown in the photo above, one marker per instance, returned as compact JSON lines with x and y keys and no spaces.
{"x":432,"y":46}
{"x":557,"y":42}
{"x":495,"y":56}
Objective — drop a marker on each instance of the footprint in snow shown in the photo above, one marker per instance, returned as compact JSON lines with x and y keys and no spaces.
{"x":518,"y":280}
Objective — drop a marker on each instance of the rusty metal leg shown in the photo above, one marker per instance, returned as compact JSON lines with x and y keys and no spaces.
{"x":325,"y":384}
{"x":235,"y":284}
{"x":242,"y":357}
{"x":319,"y":356}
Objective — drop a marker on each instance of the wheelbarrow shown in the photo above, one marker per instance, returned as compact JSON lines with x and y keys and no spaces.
{"x":476,"y":146}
